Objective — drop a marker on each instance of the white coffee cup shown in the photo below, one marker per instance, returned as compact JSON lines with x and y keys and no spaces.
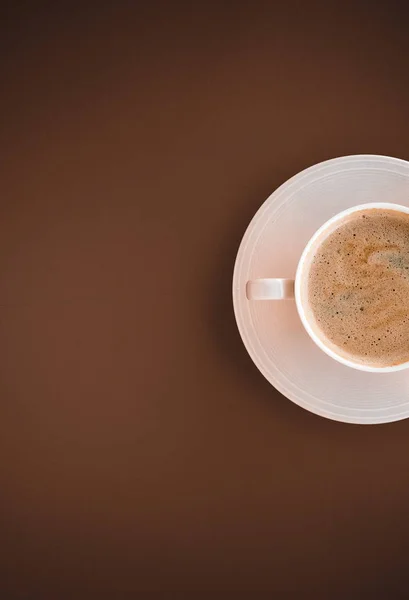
{"x":281,"y":289}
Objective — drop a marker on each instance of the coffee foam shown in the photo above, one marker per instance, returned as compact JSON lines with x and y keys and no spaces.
{"x":358,"y":287}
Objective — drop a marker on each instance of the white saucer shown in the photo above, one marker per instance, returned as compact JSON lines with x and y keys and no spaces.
{"x":272,"y":331}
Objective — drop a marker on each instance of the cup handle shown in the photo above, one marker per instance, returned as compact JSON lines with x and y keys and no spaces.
{"x":270,"y":289}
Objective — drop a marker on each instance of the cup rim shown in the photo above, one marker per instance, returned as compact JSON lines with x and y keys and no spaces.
{"x":299,"y":276}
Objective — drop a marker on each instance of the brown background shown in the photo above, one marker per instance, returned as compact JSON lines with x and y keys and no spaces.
{"x":140,"y":449}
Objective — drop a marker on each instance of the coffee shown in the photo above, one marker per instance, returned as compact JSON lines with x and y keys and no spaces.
{"x":358,"y":287}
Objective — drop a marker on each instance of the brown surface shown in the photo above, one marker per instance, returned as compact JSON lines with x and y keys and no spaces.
{"x":140,"y":447}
